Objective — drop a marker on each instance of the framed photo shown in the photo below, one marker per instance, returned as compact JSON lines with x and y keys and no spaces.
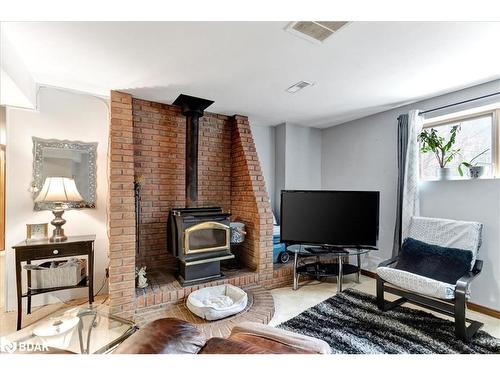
{"x":37,"y":231}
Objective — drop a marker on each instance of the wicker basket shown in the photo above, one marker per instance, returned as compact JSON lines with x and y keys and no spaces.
{"x":64,"y":273}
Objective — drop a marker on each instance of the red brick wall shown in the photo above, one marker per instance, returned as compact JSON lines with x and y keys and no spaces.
{"x":250,"y":201}
{"x":159,"y":132}
{"x":159,"y":157}
{"x":283,"y":276}
{"x":148,"y":139}
{"x":214,"y":161}
{"x":121,"y":208}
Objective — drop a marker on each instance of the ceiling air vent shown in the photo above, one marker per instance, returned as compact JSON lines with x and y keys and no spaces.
{"x":298,"y":86}
{"x":314,"y":31}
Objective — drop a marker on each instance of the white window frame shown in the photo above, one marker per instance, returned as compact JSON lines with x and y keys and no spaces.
{"x":495,"y":132}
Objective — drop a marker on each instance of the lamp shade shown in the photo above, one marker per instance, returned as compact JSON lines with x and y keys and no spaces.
{"x":59,"y":189}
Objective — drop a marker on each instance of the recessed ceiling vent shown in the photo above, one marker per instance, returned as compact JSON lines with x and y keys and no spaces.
{"x":314,"y":31}
{"x":298,"y":86}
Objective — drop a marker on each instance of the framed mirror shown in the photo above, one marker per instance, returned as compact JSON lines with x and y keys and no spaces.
{"x":73,"y":159}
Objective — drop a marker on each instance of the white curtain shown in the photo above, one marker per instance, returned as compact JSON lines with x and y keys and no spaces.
{"x":410,"y":199}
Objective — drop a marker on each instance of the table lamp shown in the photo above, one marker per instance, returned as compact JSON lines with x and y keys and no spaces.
{"x":58,"y":190}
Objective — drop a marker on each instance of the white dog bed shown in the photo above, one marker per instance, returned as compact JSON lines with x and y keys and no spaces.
{"x":217,"y":302}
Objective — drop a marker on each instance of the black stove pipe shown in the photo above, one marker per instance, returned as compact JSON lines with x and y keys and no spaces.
{"x":193,"y":109}
{"x":192,"y":132}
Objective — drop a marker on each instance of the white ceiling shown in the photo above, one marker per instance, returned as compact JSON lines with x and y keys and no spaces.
{"x":366,"y":67}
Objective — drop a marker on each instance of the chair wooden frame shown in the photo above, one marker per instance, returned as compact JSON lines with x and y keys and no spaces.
{"x":456,"y":307}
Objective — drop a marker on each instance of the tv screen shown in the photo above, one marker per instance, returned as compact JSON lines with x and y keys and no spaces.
{"x":340,"y":218}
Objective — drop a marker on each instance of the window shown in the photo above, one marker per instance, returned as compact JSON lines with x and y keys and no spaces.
{"x":477,"y":134}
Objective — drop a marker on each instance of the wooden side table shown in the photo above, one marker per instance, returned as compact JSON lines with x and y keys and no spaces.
{"x":28,"y":251}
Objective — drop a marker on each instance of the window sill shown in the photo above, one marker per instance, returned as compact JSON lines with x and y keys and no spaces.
{"x":460,"y":180}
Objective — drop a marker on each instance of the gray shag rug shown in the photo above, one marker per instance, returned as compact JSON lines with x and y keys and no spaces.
{"x":351,"y":323}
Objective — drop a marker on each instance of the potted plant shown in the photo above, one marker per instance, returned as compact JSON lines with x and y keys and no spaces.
{"x":475,"y":170}
{"x":441,"y":148}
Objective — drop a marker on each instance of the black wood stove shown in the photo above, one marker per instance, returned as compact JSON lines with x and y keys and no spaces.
{"x":199,"y":237}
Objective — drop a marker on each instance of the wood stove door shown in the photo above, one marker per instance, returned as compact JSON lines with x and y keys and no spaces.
{"x":207,"y":236}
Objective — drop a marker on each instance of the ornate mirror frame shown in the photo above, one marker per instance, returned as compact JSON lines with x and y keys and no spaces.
{"x":39,"y":144}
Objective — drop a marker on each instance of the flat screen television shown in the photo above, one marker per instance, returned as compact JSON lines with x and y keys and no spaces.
{"x":335,"y":218}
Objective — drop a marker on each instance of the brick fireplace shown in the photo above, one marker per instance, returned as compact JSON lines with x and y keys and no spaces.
{"x":148,"y":139}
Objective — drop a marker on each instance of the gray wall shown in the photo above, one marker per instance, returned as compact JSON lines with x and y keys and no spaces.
{"x":290,"y":157}
{"x":303,"y":157}
{"x":264,"y":137}
{"x":280,"y":163}
{"x":297,"y":160}
{"x":361,"y":154}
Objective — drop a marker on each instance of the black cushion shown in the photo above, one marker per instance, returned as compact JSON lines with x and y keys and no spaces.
{"x":432,"y":261}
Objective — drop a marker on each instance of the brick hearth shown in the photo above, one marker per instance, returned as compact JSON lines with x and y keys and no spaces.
{"x":259,"y":309}
{"x":148,"y":139}
{"x":164,"y":288}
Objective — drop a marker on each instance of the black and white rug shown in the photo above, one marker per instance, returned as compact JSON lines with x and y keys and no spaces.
{"x":350,"y":322}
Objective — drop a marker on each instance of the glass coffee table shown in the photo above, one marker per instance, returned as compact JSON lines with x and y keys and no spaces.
{"x":85,"y":329}
{"x":310,"y":260}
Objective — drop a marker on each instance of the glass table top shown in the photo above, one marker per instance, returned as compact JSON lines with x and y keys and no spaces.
{"x":85,"y":329}
{"x":311,"y":250}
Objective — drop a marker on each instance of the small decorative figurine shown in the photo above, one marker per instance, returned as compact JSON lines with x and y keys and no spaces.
{"x":142,"y":281}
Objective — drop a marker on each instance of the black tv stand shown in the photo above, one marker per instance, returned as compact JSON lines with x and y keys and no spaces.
{"x":319,"y":269}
